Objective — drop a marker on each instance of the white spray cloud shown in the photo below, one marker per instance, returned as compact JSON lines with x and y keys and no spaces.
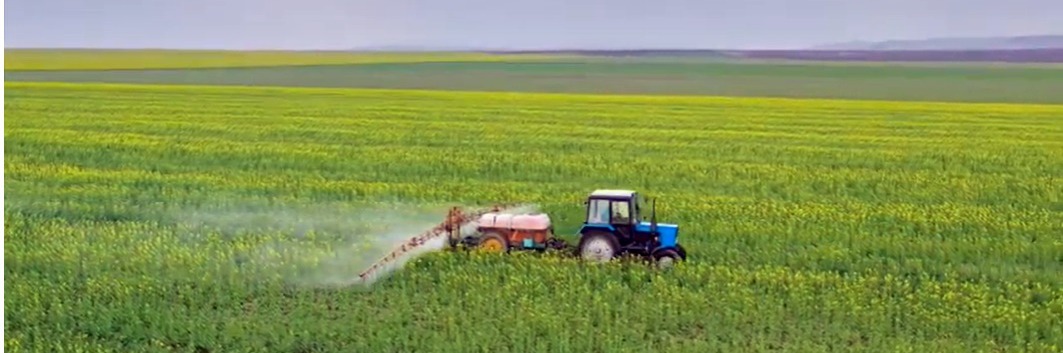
{"x":324,"y":245}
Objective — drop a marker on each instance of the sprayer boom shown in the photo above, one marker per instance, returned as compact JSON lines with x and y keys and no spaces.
{"x":450,"y":227}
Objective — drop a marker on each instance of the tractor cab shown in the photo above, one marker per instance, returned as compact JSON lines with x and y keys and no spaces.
{"x":612,"y":207}
{"x":615,"y":225}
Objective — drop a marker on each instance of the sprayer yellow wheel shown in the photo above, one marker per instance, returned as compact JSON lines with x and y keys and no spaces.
{"x":493,"y":242}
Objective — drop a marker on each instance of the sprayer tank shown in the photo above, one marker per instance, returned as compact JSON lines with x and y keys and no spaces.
{"x":533,"y":221}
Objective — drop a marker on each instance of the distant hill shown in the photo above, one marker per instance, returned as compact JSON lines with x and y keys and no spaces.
{"x":955,"y":43}
{"x":1050,"y":55}
{"x":1015,"y":49}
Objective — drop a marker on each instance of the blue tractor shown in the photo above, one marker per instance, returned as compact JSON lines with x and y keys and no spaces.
{"x":614,"y":227}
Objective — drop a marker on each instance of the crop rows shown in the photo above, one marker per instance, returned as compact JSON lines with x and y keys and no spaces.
{"x":151,"y":218}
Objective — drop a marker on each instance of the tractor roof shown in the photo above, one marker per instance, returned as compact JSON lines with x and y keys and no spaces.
{"x":612,"y":193}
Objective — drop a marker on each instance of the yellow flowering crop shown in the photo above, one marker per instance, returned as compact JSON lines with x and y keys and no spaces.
{"x":224,"y":219}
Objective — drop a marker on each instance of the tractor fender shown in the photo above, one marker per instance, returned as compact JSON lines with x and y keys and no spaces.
{"x":591,"y":227}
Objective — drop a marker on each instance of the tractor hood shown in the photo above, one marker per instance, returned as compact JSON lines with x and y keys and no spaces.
{"x":669,"y":232}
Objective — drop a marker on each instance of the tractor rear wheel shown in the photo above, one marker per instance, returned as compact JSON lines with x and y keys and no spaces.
{"x":493,"y":242}
{"x":598,"y":246}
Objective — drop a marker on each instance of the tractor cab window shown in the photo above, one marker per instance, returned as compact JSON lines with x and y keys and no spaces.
{"x":637,"y":211}
{"x":598,"y":211}
{"x":621,"y":212}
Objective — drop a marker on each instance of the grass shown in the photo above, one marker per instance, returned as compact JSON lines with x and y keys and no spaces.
{"x":148,"y":218}
{"x":96,"y":59}
{"x":1009,"y":84}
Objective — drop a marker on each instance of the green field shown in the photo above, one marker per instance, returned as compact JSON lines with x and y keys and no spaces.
{"x":144,"y":218}
{"x":566,"y":74}
{"x":203,"y":218}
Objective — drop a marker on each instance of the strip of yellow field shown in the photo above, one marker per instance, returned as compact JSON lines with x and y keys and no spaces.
{"x":650,"y":103}
{"x":71,"y":59}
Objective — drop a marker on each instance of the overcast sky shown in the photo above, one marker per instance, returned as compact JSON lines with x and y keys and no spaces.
{"x":512,"y":24}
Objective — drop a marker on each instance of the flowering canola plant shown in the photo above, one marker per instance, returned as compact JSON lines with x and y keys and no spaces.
{"x":151,"y":218}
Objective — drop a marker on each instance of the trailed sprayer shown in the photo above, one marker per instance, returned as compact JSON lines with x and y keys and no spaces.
{"x":613,"y":226}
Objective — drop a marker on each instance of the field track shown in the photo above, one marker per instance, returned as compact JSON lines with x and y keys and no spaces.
{"x":142,"y":218}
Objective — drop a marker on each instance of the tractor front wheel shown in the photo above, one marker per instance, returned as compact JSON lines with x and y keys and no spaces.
{"x":667,"y":258}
